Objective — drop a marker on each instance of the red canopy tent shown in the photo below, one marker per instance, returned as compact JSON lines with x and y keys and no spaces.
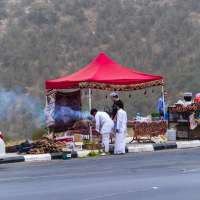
{"x":104,"y":73}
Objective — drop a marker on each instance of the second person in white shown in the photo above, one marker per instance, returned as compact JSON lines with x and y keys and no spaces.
{"x":121,"y":130}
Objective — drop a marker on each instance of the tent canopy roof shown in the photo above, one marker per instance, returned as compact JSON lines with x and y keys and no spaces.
{"x":103,"y":70}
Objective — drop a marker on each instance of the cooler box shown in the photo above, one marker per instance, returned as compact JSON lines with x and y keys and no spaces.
{"x":171,"y":135}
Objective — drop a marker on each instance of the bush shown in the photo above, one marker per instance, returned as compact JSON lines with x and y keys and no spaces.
{"x":155,"y":114}
{"x":93,"y":154}
{"x":38,"y":133}
{"x":7,"y":138}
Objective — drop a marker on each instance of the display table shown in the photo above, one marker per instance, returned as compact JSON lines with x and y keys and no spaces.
{"x":148,"y":129}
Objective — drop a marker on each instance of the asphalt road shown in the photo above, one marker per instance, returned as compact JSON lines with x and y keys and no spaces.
{"x":169,"y":175}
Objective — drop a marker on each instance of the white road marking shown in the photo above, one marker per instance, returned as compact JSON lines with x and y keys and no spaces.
{"x":155,"y":188}
{"x":120,"y":193}
{"x":116,"y":194}
{"x":190,"y":170}
{"x":55,"y":175}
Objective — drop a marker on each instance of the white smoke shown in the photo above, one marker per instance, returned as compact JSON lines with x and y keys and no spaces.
{"x":15,"y":103}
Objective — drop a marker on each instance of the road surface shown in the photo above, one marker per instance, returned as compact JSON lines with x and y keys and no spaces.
{"x":163,"y":175}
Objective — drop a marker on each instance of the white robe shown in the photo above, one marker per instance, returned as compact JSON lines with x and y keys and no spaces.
{"x":121,"y":127}
{"x":104,"y":126}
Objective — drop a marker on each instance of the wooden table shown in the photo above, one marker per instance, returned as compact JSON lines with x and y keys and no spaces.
{"x":147,"y":129}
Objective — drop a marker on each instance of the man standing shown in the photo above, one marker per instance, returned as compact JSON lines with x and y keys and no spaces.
{"x":121,"y":130}
{"x":104,"y":126}
{"x":115,"y":98}
{"x":161,"y":106}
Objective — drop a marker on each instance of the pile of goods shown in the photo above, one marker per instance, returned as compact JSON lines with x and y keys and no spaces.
{"x":46,"y":145}
{"x":154,"y":128}
{"x":159,"y":139}
{"x":181,"y":108}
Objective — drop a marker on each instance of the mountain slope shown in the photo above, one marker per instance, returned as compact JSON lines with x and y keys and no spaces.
{"x":43,"y":39}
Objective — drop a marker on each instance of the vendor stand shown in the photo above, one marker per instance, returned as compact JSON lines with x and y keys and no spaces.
{"x":105,"y":74}
{"x":185,"y":119}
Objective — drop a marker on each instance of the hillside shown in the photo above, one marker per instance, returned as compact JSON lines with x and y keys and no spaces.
{"x":43,"y":39}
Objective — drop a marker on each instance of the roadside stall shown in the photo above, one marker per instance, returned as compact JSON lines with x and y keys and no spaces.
{"x":105,"y":74}
{"x":184,"y":116}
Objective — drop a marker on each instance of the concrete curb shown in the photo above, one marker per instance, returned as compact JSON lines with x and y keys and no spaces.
{"x":12,"y":159}
{"x":163,"y":146}
{"x":39,"y":157}
{"x":188,"y":144}
{"x":130,"y":148}
{"x":34,"y":158}
{"x":44,"y":157}
{"x":135,"y":148}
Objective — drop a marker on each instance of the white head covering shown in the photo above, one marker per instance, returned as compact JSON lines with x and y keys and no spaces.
{"x":188,"y":94}
{"x":113,"y":94}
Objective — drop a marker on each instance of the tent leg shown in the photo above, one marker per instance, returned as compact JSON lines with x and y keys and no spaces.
{"x":163,"y":98}
{"x":90,"y":107}
{"x":90,"y":99}
{"x":90,"y":130}
{"x":46,"y":103}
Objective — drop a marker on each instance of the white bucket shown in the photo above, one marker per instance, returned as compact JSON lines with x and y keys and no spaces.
{"x":171,"y":135}
{"x":2,"y":147}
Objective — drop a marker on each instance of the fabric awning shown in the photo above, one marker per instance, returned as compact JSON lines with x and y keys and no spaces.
{"x":106,"y":74}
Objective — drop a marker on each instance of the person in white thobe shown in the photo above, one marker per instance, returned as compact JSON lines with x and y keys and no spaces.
{"x":104,"y":126}
{"x":121,"y":130}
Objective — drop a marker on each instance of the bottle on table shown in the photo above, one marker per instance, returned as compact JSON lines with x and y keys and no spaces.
{"x":138,"y":117}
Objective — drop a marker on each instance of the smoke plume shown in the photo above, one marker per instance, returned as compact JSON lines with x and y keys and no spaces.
{"x":19,"y":112}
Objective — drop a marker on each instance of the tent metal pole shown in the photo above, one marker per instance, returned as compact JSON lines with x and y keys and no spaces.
{"x":46,"y":103}
{"x":90,"y":107}
{"x":163,"y":98}
{"x":90,"y":99}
